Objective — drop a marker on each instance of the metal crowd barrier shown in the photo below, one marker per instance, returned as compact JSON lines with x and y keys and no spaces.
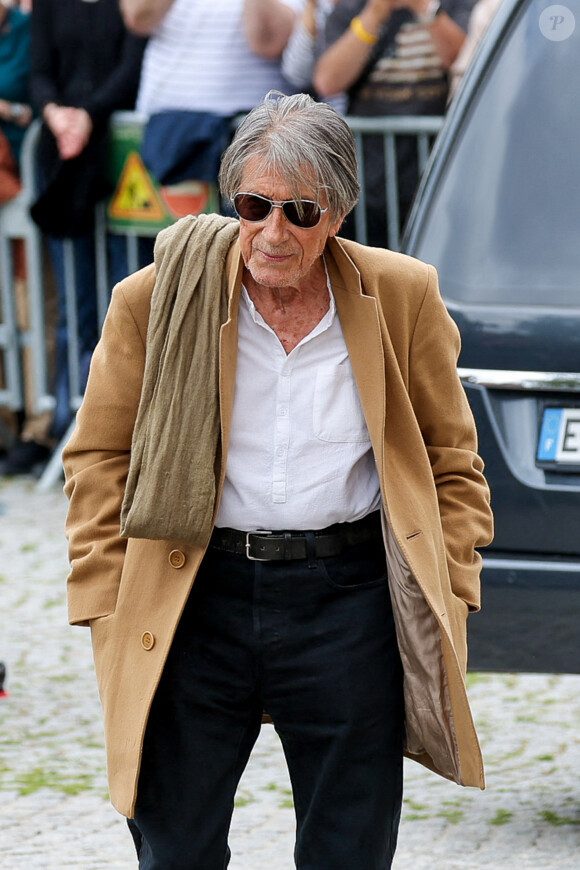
{"x":15,"y":223}
{"x":425,"y":129}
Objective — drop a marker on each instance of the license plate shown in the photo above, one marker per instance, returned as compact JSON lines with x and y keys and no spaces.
{"x":559,"y":443}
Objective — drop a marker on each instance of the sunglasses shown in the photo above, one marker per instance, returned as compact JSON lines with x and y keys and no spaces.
{"x":303,"y":213}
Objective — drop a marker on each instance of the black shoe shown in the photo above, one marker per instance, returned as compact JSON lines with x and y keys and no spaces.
{"x":24,"y":457}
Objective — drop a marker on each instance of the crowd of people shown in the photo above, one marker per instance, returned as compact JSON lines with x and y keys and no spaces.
{"x":191,"y":66}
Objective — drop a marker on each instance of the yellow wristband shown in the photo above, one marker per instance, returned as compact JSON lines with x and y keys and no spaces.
{"x":360,"y":30}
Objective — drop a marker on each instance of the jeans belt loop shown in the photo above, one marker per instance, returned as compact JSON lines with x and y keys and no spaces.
{"x":287,"y":546}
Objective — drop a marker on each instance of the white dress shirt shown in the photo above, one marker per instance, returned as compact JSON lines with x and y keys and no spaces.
{"x":300,"y":455}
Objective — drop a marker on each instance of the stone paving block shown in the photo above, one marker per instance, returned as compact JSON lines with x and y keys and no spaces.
{"x":54,"y":812}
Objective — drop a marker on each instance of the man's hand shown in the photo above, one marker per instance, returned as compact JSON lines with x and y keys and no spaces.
{"x":71,"y":128}
{"x":447,"y":36}
{"x":377,"y":12}
{"x":419,"y":7}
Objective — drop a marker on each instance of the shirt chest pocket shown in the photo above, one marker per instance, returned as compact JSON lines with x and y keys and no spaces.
{"x":337,"y":410}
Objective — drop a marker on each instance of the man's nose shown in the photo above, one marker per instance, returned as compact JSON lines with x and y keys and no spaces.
{"x":276,"y":224}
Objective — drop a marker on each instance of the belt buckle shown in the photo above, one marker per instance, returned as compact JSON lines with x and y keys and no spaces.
{"x":248,"y":545}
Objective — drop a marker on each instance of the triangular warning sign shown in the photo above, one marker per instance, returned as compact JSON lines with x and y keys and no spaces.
{"x":135,"y":197}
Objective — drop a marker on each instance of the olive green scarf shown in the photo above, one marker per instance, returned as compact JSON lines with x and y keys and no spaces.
{"x":171,"y":486}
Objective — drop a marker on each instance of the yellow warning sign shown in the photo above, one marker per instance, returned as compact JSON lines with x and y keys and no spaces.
{"x":135,"y":197}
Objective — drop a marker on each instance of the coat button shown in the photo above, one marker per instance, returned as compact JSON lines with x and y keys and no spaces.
{"x":177,"y":559}
{"x":147,"y":640}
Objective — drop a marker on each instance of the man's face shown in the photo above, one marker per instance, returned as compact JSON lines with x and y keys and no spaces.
{"x":276,"y":253}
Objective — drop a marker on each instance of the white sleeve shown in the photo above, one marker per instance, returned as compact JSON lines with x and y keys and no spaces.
{"x":299,"y":57}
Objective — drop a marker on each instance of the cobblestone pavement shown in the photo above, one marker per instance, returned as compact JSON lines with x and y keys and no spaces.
{"x":54,"y":811}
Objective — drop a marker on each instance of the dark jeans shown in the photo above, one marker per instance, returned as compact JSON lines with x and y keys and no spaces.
{"x":313,"y":643}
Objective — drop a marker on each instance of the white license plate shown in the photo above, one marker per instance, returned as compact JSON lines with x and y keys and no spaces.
{"x":559,"y":443}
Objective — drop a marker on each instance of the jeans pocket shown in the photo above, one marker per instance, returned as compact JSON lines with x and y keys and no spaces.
{"x":360,"y":567}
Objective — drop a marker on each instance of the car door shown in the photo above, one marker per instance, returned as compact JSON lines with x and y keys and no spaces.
{"x":498,"y":214}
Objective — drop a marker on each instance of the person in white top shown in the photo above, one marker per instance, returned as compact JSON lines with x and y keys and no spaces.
{"x":276,"y":500}
{"x":219,"y":56}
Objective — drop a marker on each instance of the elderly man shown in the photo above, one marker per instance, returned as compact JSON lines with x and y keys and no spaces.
{"x":276,"y":415}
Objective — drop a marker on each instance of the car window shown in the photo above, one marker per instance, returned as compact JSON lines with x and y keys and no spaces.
{"x":504,"y":223}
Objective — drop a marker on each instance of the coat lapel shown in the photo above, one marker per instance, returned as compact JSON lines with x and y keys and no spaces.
{"x":360,"y":324}
{"x":229,"y":353}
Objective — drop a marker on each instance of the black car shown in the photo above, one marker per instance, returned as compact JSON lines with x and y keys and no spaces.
{"x":498,"y":214}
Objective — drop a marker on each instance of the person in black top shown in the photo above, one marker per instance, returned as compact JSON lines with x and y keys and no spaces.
{"x":85,"y":65}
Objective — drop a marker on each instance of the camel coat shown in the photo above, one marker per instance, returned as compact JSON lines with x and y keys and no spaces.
{"x":403,"y":347}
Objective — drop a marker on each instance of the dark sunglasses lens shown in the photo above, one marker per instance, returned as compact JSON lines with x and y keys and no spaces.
{"x":252,"y":208}
{"x":303,"y":214}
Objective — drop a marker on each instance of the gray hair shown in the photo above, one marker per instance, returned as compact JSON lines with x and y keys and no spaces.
{"x":299,"y":139}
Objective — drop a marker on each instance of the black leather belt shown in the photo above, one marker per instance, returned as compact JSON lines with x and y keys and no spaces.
{"x":264,"y":546}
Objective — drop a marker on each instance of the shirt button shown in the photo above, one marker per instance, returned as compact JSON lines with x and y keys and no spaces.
{"x":147,"y":640}
{"x":176,"y":559}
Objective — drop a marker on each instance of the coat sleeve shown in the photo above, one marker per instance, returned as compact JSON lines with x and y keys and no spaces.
{"x":96,"y":458}
{"x":450,"y":437}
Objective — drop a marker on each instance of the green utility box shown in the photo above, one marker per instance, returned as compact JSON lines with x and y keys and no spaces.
{"x":139,"y":204}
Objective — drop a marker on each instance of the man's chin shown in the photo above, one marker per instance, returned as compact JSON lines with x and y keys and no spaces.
{"x":274,"y":277}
